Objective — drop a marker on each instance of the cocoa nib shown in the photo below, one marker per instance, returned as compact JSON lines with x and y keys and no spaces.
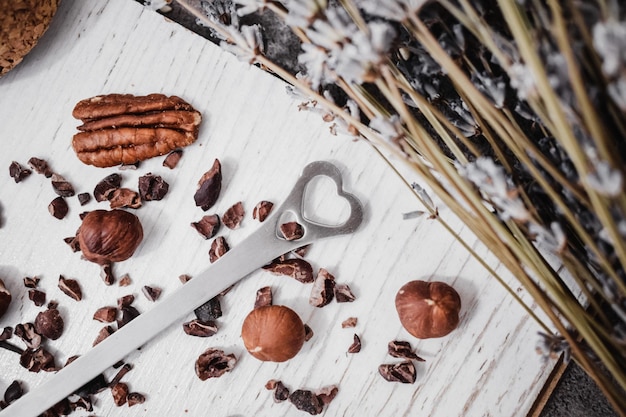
{"x":184,"y":278}
{"x":36,"y":360}
{"x":402,"y":349}
{"x":106,"y":186}
{"x":6,"y":333}
{"x":31,"y":282}
{"x":214,"y":363}
{"x":218,"y":248}
{"x":152,"y":187}
{"x":119,"y":392}
{"x":125,"y":281}
{"x":263,"y":297}
{"x":135,"y":398}
{"x":38,"y":297}
{"x":105,"y":314}
{"x":13,"y":392}
{"x":308,"y":332}
{"x":73,"y":243}
{"x":83,"y":198}
{"x":306,"y":400}
{"x":61,"y":186}
{"x":210,"y":310}
{"x":292,"y":230}
{"x":125,"y":300}
{"x":124,"y":197}
{"x":58,"y":208}
{"x":281,"y":392}
{"x":103,"y":334}
{"x":151,"y":293}
{"x":129,"y":313}
{"x":262,"y":210}
{"x":403,"y":372}
{"x":49,"y":323}
{"x":26,"y":332}
{"x":322,"y":291}
{"x":327,"y":394}
{"x":70,"y":287}
{"x":296,"y":268}
{"x":209,"y":187}
{"x":343,"y":294}
{"x":349,"y":322}
{"x":18,"y":172}
{"x":40,"y":166}
{"x":355,"y":347}
{"x":233,"y":216}
{"x":172,"y":158}
{"x":207,"y":226}
{"x":200,"y":328}
{"x":106,"y":273}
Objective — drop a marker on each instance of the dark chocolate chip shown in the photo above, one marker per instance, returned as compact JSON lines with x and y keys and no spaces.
{"x":209,"y":187}
{"x":18,"y":172}
{"x":58,"y":208}
{"x":210,"y":310}
{"x":233,"y":216}
{"x":152,"y":187}
{"x":207,"y":226}
{"x":214,"y":363}
{"x":403,"y":372}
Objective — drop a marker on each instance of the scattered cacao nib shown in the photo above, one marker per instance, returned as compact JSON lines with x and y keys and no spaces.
{"x":281,"y":392}
{"x":58,"y":208}
{"x":61,"y":186}
{"x":119,"y":392}
{"x":292,"y":230}
{"x":172,"y":158}
{"x":306,"y":400}
{"x":49,"y":324}
{"x":31,"y":282}
{"x":214,"y":363}
{"x":28,"y":334}
{"x":13,"y":392}
{"x":128,"y":313}
{"x":322,"y":291}
{"x":327,"y":394}
{"x":343,"y":294}
{"x":209,"y":187}
{"x":121,"y":373}
{"x":40,"y":166}
{"x":262,"y":210}
{"x":83,"y":198}
{"x":349,"y":322}
{"x":105,"y":332}
{"x":135,"y":398}
{"x":36,"y":360}
{"x":301,"y":251}
{"x":106,"y":186}
{"x":296,"y":268}
{"x":105,"y":314}
{"x":72,"y":242}
{"x":106,"y":273}
{"x":36,"y":296}
{"x":125,"y":300}
{"x":152,"y":187}
{"x":6,"y":333}
{"x":211,"y":310}
{"x":355,"y":347}
{"x":308,"y":333}
{"x":184,"y":278}
{"x":218,"y":248}
{"x":124,"y":197}
{"x":70,"y":287}
{"x":263,"y":297}
{"x":233,"y":216}
{"x":53,"y":304}
{"x":207,"y":226}
{"x":151,"y":293}
{"x":18,"y":172}
{"x":402,"y":349}
{"x":403,"y":372}
{"x":125,"y":281}
{"x":200,"y":328}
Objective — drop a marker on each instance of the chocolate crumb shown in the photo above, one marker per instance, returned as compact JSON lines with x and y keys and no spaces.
{"x":83,"y":198}
{"x":210,"y":310}
{"x":70,"y":287}
{"x":355,"y":347}
{"x":106,"y":314}
{"x":200,"y":328}
{"x":31,"y":282}
{"x":152,"y":187}
{"x":343,"y":294}
{"x":233,"y":216}
{"x":296,"y":268}
{"x":306,"y":400}
{"x":106,"y":186}
{"x":105,"y":332}
{"x":322,"y":291}
{"x":61,"y":186}
{"x":218,"y":248}
{"x":151,"y":293}
{"x":292,"y":230}
{"x":172,"y":158}
{"x":209,"y":187}
{"x":135,"y":398}
{"x":207,"y":226}
{"x":40,"y":166}
{"x":263,"y":297}
{"x":18,"y":172}
{"x":124,"y":197}
{"x":262,"y":210}
{"x":119,"y":392}
{"x":125,"y":281}
{"x":308,"y":332}
{"x":58,"y":208}
{"x":403,"y":372}
{"x":38,"y":297}
{"x":402,"y":349}
{"x":349,"y":322}
{"x":214,"y":363}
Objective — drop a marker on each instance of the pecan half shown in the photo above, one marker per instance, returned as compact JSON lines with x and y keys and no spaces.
{"x":124,"y":129}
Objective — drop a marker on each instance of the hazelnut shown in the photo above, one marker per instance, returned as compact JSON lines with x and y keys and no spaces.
{"x":428,"y":309}
{"x":49,"y":324}
{"x":273,"y":333}
{"x":5,"y":299}
{"x":109,"y":236}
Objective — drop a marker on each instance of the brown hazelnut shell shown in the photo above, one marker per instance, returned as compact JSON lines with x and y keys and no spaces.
{"x":109,"y":236}
{"x":5,"y":299}
{"x":428,"y":309}
{"x":273,"y":333}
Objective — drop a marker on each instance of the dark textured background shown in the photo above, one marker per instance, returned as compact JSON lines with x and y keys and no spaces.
{"x":575,"y":395}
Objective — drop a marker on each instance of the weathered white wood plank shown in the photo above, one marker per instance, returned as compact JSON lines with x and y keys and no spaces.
{"x":487,"y":367}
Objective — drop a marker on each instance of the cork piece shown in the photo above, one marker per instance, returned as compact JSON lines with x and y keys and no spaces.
{"x":22,"y":23}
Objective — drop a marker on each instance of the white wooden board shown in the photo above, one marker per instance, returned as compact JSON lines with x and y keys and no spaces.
{"x":487,"y":367}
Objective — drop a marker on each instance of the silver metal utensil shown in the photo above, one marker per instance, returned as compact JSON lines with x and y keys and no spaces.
{"x":260,"y":248}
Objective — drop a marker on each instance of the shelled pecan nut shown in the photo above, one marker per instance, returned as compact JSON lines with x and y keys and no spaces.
{"x":124,"y":129}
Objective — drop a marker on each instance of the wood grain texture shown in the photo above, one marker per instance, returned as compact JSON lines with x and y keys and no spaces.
{"x":487,"y":367}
